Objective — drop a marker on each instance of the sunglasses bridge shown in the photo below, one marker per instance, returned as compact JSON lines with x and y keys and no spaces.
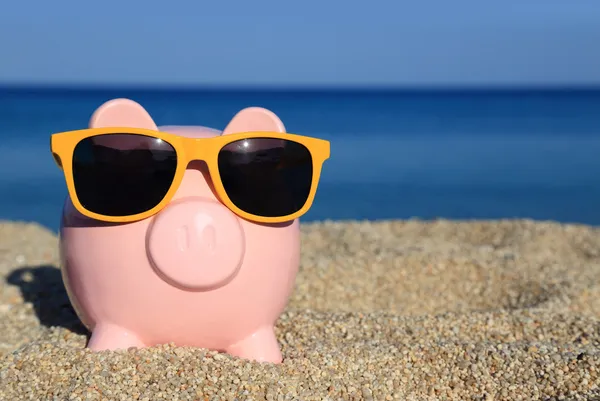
{"x":198,"y":149}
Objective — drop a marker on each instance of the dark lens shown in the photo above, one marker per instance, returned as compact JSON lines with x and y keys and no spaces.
{"x":122,"y":174}
{"x":266,"y":177}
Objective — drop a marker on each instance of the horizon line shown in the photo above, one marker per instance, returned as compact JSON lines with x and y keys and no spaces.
{"x":180,"y":87}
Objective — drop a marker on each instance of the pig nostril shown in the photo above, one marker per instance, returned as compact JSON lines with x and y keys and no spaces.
{"x":209,"y":237}
{"x":183,"y":238}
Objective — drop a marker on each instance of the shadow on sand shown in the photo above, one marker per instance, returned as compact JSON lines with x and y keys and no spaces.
{"x":44,"y":288}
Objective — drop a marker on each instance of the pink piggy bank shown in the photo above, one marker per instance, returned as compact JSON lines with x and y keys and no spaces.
{"x":197,"y":271}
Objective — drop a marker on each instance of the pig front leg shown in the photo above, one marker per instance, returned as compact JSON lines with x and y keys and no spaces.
{"x":111,"y":337}
{"x":260,"y":346}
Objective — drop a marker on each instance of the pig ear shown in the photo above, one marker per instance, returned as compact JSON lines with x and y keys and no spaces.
{"x":122,"y":113}
{"x":254,"y":119}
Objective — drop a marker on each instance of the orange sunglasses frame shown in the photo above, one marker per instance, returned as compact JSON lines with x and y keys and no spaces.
{"x":63,"y":144}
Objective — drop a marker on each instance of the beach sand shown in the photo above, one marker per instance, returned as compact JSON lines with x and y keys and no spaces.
{"x":409,"y":310}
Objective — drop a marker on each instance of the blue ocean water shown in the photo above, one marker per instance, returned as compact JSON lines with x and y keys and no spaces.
{"x":394,"y":154}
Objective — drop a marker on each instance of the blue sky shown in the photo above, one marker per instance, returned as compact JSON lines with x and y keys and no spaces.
{"x":309,"y":42}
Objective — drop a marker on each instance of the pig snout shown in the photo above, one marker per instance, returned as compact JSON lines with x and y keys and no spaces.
{"x":196,"y":244}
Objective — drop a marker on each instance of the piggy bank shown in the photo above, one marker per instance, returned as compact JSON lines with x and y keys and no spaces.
{"x":184,"y":235}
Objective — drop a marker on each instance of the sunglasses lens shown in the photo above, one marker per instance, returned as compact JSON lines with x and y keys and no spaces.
{"x":266,"y":177}
{"x":122,"y":174}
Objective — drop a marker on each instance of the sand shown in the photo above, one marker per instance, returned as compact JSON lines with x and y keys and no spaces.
{"x":408,"y":310}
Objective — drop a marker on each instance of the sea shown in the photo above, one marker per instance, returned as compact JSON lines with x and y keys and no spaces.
{"x":395,"y":154}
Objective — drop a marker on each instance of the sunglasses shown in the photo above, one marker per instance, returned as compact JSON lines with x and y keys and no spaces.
{"x":127,"y":174}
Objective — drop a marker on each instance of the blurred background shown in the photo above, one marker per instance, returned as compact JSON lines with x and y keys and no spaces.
{"x":463,"y":109}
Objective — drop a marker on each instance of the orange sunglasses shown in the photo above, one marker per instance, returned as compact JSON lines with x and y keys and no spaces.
{"x":123,"y":175}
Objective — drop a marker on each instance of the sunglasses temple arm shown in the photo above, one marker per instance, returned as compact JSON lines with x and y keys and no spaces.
{"x":57,"y":160}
